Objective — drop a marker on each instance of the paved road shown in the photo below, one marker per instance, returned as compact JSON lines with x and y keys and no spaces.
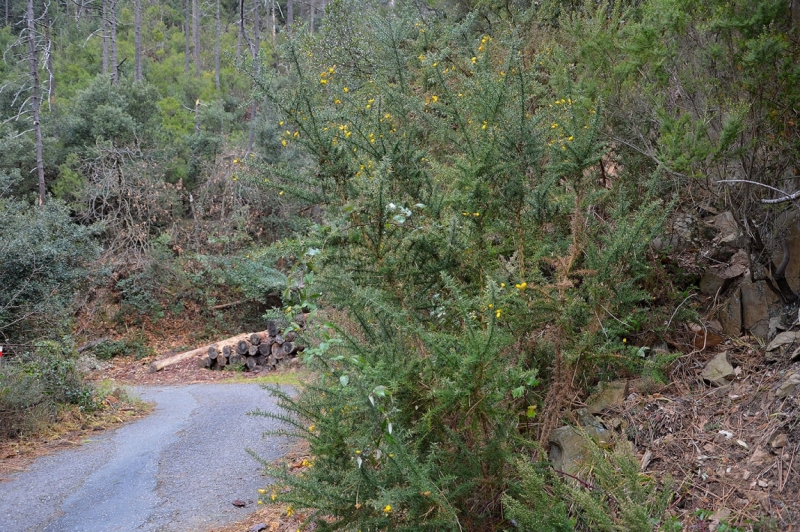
{"x":176,"y":470}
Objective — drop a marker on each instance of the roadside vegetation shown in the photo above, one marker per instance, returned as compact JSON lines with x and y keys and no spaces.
{"x":473,"y":202}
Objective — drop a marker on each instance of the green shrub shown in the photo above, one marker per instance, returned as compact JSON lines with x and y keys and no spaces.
{"x":478,"y":254}
{"x":614,"y":496}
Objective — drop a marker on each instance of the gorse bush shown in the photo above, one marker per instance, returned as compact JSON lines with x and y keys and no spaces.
{"x":484,"y":256}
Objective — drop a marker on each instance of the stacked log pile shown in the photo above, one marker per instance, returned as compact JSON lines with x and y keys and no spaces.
{"x":266,"y":349}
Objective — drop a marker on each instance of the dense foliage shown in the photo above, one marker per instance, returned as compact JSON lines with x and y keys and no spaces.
{"x":463,"y":195}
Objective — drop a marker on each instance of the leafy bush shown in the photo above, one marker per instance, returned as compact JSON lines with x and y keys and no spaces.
{"x":483,"y":256}
{"x":615,"y":496}
{"x":44,"y":258}
{"x":34,"y":384}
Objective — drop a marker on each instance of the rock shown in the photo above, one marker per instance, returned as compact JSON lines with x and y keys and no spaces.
{"x":728,"y":231}
{"x":783,"y":339}
{"x":778,"y":441}
{"x":757,"y":300}
{"x":89,"y":363}
{"x":759,"y":457}
{"x":609,"y":393}
{"x":258,"y":527}
{"x":718,"y":370}
{"x":238,"y":503}
{"x":717,"y":278}
{"x":730,"y":314}
{"x":662,"y":244}
{"x":570,"y":448}
{"x":788,"y":386}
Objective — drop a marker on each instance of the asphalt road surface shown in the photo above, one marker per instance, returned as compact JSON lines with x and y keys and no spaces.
{"x":179,"y":469}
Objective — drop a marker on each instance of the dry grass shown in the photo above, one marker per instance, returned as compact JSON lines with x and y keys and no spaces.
{"x":70,"y":429}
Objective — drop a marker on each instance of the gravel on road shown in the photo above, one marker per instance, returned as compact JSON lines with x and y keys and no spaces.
{"x":177,"y":470}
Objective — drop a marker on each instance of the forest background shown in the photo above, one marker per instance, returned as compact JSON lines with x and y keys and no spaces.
{"x":469,"y":198}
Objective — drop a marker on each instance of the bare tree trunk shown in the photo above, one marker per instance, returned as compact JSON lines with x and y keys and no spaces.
{"x":186,"y":35}
{"x":105,"y":36}
{"x":196,"y":35}
{"x":114,"y":64}
{"x":241,"y":32}
{"x":216,"y":49}
{"x":51,"y":80}
{"x":255,"y":51}
{"x":35,"y":98}
{"x":137,"y":32}
{"x":274,"y":28}
{"x":289,"y":15}
{"x":256,"y":30}
{"x":312,"y":9}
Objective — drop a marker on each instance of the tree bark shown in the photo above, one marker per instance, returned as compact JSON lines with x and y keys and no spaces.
{"x":137,"y":32}
{"x":289,"y":16}
{"x":312,"y":8}
{"x":105,"y":36}
{"x":35,"y":98}
{"x":251,"y":363}
{"x":199,"y":352}
{"x":196,"y":35}
{"x":217,"y":31}
{"x":186,"y":50}
{"x":113,"y":27}
{"x":242,"y":346}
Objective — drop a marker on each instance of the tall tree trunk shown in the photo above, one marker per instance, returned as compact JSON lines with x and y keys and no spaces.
{"x":114,"y":64}
{"x":312,"y":8}
{"x":289,"y":15}
{"x":196,"y":35}
{"x":274,"y":27}
{"x":105,"y":36}
{"x":239,"y":41}
{"x":186,"y":25}
{"x":137,"y":33}
{"x":256,"y":30}
{"x":255,"y":50}
{"x":51,"y":80}
{"x":216,"y":49}
{"x":33,"y":58}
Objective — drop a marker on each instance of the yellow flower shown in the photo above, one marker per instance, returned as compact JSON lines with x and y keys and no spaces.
{"x":464,"y":214}
{"x":435,"y":64}
{"x":323,"y":81}
{"x":346,"y":89}
{"x":421,"y":57}
{"x":236,"y":161}
{"x":280,"y":193}
{"x":337,"y":102}
{"x":570,"y":138}
{"x":280,"y":123}
{"x":311,"y":428}
{"x":332,"y":69}
{"x":262,"y":491}
{"x":289,"y":511}
{"x":283,"y":142}
{"x":555,"y":125}
{"x":260,"y":502}
{"x":387,"y":508}
{"x":502,"y":285}
{"x":484,"y":125}
{"x":296,"y":134}
{"x":476,"y":214}
{"x":521,"y":286}
{"x":497,"y":314}
{"x":624,"y":340}
{"x":434,"y":98}
{"x":474,"y":60}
